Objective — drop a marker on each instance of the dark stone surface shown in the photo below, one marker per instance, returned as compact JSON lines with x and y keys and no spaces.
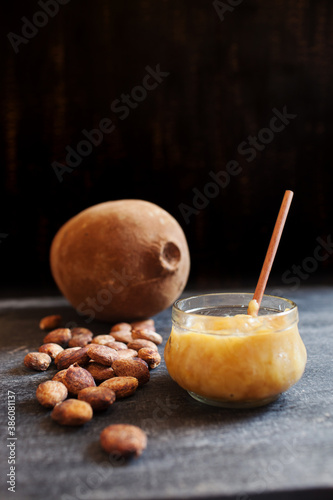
{"x":284,"y":450}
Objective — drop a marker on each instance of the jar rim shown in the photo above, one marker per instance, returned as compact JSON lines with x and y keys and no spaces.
{"x":249,"y":296}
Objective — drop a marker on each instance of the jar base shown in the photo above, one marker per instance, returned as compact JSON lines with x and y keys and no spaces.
{"x":233,"y":404}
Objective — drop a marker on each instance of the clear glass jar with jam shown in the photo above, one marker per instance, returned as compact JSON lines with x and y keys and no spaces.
{"x":224,"y":357}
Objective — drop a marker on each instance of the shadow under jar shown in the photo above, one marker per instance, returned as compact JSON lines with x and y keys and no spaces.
{"x":224,"y":357}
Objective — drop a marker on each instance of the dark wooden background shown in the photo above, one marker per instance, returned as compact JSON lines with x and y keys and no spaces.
{"x":225,"y":79}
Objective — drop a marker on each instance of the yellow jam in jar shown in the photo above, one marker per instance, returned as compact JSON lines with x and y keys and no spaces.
{"x":235,"y":360}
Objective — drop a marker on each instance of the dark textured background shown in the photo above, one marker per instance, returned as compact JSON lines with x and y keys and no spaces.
{"x":225,"y":79}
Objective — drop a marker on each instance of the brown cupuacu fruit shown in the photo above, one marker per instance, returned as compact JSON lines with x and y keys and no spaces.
{"x":140,"y":257}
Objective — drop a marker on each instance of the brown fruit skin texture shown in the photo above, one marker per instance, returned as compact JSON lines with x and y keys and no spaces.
{"x":100,"y":398}
{"x":133,"y":249}
{"x":100,"y":372}
{"x":122,"y":386}
{"x":150,"y":356}
{"x":38,"y":361}
{"x":51,"y":349}
{"x":50,"y":322}
{"x":78,"y":378}
{"x":59,"y":336}
{"x":123,"y":440}
{"x":146,"y":334}
{"x":102,"y":354}
{"x":50,"y":393}
{"x":70,"y":356}
{"x":132,"y":368}
{"x":72,"y":412}
{"x":138,"y":344}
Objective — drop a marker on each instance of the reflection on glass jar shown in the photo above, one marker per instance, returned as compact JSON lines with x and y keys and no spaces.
{"x":224,"y":357}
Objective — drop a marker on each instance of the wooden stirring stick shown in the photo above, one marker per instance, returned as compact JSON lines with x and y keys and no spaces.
{"x":270,"y":255}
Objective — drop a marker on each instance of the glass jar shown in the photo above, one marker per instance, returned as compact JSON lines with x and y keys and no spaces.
{"x":224,"y":357}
